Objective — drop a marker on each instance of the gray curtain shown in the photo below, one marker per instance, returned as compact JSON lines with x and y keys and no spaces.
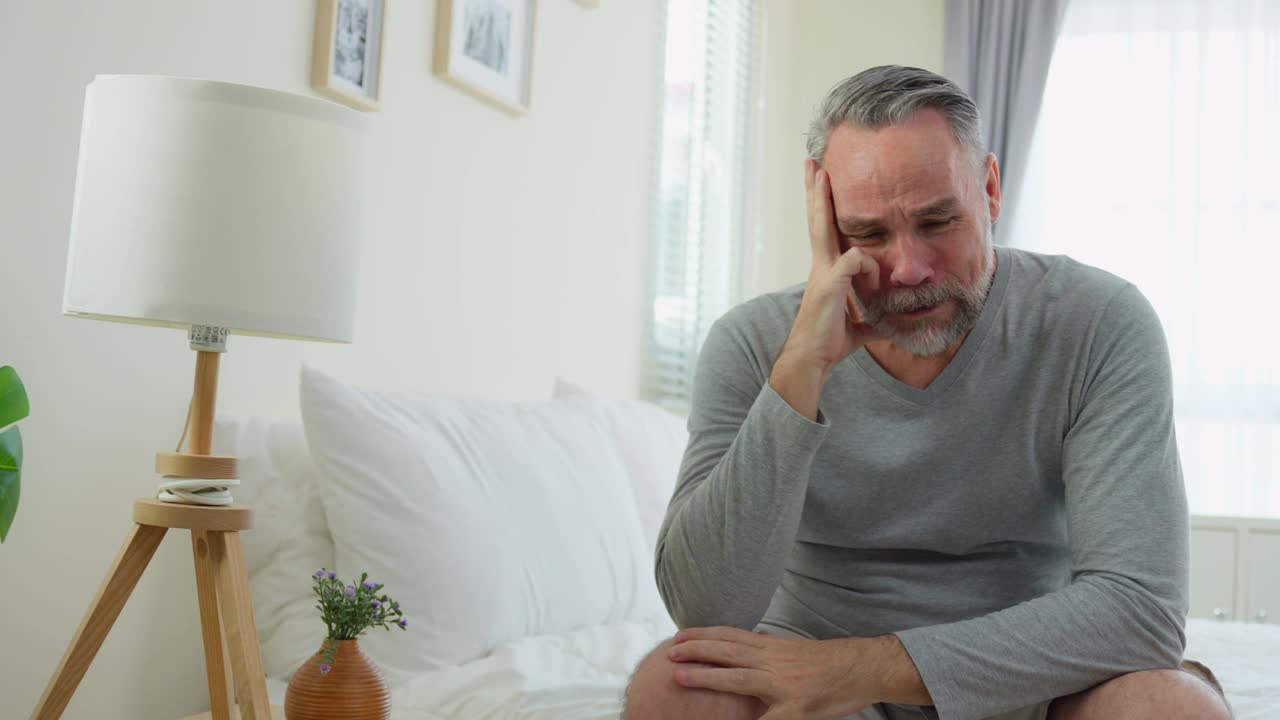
{"x":998,"y":51}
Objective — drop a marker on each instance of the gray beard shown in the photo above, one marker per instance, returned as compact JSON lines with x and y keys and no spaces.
{"x":927,"y":337}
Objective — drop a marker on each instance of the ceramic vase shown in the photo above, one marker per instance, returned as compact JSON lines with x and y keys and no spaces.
{"x":353,"y":689}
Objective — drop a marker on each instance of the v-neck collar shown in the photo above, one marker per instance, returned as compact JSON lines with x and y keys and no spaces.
{"x":955,"y":368}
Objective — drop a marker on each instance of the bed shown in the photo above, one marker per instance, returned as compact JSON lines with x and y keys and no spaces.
{"x":580,"y":675}
{"x":535,"y":599}
{"x":1246,"y":659}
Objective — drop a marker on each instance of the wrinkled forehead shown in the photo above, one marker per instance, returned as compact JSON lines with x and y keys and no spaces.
{"x":897,"y":167}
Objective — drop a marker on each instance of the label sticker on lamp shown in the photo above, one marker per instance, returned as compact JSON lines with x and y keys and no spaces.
{"x":208,"y":338}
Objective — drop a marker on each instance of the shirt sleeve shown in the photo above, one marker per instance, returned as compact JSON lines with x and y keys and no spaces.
{"x":735,"y":512}
{"x":1125,"y":607}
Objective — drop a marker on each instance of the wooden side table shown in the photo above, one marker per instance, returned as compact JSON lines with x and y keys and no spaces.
{"x":232,"y":657}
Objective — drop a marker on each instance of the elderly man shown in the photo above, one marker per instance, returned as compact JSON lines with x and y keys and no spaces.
{"x":938,"y":479}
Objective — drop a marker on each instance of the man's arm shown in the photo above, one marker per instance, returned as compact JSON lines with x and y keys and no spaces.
{"x":1127,"y":523}
{"x":898,"y":680}
{"x":735,"y":513}
{"x":736,"y":508}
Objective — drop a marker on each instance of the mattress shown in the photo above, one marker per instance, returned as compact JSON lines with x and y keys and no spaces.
{"x":581,"y":675}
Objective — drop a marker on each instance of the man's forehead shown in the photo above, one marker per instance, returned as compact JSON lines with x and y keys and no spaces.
{"x":911,"y":191}
{"x":908,"y":167}
{"x":850,"y":220}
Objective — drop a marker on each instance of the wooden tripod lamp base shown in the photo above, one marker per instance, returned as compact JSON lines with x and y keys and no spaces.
{"x":233,"y":662}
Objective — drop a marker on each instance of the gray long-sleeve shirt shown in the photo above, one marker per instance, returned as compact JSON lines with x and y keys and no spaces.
{"x":1020,"y":524}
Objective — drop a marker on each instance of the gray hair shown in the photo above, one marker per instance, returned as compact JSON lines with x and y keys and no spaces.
{"x":888,"y":95}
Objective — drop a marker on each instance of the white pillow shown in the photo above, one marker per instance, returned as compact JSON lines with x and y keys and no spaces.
{"x":290,"y":537}
{"x":652,"y":441}
{"x":488,"y":521}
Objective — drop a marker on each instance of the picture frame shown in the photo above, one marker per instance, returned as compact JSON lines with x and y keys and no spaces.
{"x":346,"y":62}
{"x":485,"y":47}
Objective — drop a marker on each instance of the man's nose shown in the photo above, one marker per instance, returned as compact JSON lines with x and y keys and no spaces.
{"x":912,"y":264}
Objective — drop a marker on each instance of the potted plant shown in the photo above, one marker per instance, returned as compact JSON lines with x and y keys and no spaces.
{"x":340,"y":681}
{"x":13,"y":407}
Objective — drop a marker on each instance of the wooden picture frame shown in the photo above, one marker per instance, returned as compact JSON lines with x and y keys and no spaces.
{"x":485,"y":47}
{"x":346,"y":60}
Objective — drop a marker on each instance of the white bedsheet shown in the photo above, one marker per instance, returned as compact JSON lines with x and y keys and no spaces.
{"x":1246,"y":659}
{"x":580,"y":675}
{"x":573,"y":676}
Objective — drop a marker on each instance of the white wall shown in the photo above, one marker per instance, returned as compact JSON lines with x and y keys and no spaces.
{"x":812,"y":45}
{"x":500,"y":252}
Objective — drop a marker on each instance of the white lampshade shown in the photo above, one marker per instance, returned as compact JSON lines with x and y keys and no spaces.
{"x":212,"y":203}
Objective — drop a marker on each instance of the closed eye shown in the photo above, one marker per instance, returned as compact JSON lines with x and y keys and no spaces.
{"x":936,"y":224}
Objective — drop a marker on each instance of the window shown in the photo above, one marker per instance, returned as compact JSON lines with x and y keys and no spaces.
{"x":1155,"y":158}
{"x":709,"y":86}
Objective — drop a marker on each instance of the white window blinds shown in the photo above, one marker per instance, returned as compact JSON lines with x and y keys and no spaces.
{"x":709,"y":96}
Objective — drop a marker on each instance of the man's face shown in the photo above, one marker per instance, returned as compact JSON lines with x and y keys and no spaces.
{"x":909,"y":196}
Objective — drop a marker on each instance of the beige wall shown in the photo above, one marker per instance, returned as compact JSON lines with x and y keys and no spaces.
{"x":812,"y":45}
{"x":500,"y":252}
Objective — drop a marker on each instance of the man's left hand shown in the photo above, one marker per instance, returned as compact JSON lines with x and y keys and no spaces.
{"x":797,"y":678}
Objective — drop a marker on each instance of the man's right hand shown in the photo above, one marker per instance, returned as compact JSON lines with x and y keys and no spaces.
{"x":828,"y":327}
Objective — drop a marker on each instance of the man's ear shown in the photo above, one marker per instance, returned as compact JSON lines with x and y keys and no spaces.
{"x":992,"y":186}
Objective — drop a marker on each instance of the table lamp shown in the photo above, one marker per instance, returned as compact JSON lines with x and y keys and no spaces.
{"x":220,"y":209}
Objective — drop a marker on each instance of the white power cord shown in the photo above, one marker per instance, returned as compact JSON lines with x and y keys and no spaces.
{"x":196,"y":491}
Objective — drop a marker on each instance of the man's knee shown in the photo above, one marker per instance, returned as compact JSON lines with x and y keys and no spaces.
{"x":653,"y":694}
{"x":1150,"y":694}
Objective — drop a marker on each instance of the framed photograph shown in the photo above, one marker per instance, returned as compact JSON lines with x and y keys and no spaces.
{"x":346,"y":64}
{"x":486,"y":48}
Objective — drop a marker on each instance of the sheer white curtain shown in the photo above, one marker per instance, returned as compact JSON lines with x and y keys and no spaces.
{"x":1157,"y":157}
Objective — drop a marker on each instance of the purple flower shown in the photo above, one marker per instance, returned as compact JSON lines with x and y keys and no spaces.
{"x":319,"y":573}
{"x":324,"y":669}
{"x":332,"y":574}
{"x":351,"y":591}
{"x":403,"y":623}
{"x":370,"y":585}
{"x":376,"y":604}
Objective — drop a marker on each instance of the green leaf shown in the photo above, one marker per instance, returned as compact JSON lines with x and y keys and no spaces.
{"x":10,"y":475}
{"x":13,"y":397}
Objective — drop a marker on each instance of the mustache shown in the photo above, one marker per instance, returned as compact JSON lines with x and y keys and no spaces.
{"x":902,"y":300}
